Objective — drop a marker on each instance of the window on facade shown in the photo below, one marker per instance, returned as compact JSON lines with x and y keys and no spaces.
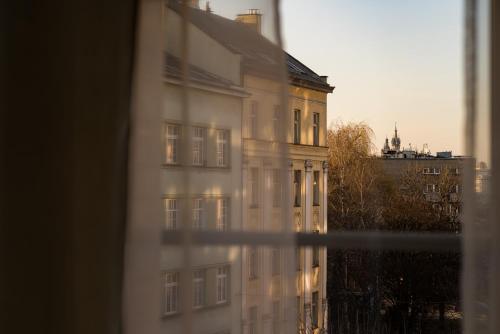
{"x":198,"y":214}
{"x":296,"y":126}
{"x":297,"y":259}
{"x":252,"y":121}
{"x":253,"y":263}
{"x":222,"y":148}
{"x":276,"y":317}
{"x":198,"y":146}
{"x":198,"y":288}
{"x":297,"y":182}
{"x":253,"y":187}
{"x":252,"y":320}
{"x":432,"y":188}
{"x":172,"y":138}
{"x":222,"y":214}
{"x":316,"y":129}
{"x":275,"y":261}
{"x":276,"y":187}
{"x":222,"y":285}
{"x":314,"y":309}
{"x":171,"y":293}
{"x":172,"y":214}
{"x":315,"y":256}
{"x":316,"y":187}
{"x":276,"y":124}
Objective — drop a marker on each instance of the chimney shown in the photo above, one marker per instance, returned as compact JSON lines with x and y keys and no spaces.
{"x":253,"y":19}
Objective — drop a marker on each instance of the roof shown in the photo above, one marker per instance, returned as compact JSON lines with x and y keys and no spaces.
{"x":260,"y":56}
{"x":173,"y":69}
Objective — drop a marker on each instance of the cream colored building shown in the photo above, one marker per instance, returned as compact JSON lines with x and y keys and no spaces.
{"x":269,"y":133}
{"x":201,"y":178}
{"x":265,"y":299}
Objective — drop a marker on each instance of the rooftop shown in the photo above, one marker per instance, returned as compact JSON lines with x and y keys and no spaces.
{"x":260,"y":55}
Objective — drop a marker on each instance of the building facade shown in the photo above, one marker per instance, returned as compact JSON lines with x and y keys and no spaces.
{"x":201,"y":178}
{"x":276,"y":120}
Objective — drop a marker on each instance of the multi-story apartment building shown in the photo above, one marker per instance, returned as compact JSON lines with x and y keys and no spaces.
{"x":282,"y":139}
{"x":201,"y":177}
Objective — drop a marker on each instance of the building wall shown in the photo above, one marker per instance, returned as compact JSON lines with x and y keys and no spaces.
{"x":211,"y":109}
{"x":261,"y":152}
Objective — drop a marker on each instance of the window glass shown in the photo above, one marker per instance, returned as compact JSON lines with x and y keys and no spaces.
{"x":296,"y":126}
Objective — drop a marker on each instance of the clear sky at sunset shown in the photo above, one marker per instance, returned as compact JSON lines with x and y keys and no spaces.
{"x":390,"y":61}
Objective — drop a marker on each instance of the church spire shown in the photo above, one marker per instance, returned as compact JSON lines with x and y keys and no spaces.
{"x":396,"y":141}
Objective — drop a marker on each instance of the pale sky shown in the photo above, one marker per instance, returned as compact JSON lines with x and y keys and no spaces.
{"x":390,"y":61}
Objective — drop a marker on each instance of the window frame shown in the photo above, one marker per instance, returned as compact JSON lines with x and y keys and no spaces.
{"x":171,"y":285}
{"x":198,"y":213}
{"x":172,"y":212}
{"x":199,"y":142}
{"x":172,"y":140}
{"x":199,"y":288}
{"x":222,"y":285}
{"x":223,"y":214}
{"x":316,"y":124}
{"x":222,"y":155}
{"x":296,"y":126}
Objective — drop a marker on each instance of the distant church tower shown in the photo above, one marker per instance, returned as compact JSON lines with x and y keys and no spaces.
{"x":396,"y":142}
{"x":386,"y":148}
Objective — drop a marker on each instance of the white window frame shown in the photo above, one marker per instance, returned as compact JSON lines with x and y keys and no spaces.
{"x":222,"y":285}
{"x":222,"y":148}
{"x":172,"y":136}
{"x":198,"y":149}
{"x":172,"y":214}
{"x":198,"y":288}
{"x":222,"y":214}
{"x":171,"y":293}
{"x":198,"y":213}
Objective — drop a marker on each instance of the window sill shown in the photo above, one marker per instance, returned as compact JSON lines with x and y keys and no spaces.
{"x":316,"y":204}
{"x":253,"y":206}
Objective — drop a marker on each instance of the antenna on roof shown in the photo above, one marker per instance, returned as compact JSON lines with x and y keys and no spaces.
{"x":208,"y":9}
